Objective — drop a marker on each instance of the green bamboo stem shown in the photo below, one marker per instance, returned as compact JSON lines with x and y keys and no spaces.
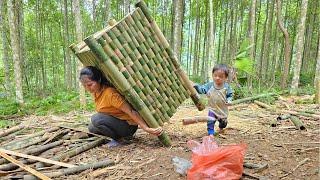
{"x":296,"y":121}
{"x":195,"y":97}
{"x":110,"y":37}
{"x":140,"y":64}
{"x":135,"y":20}
{"x":74,"y":170}
{"x":131,"y":29}
{"x":125,"y":88}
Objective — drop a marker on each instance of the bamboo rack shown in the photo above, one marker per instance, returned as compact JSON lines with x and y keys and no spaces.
{"x":135,"y":56}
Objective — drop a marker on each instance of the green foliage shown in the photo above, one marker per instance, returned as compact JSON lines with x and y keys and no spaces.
{"x":242,"y":61}
{"x":60,"y":102}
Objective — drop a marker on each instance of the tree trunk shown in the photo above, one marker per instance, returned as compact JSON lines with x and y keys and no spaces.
{"x":211,"y":34}
{"x":287,"y":47}
{"x":106,"y":11}
{"x":78,"y":23}
{"x":177,"y":28}
{"x":68,"y":77}
{"x":5,"y":46}
{"x":126,"y":4}
{"x":15,"y":45}
{"x":317,"y":74}
{"x":300,"y":42}
{"x":195,"y":66}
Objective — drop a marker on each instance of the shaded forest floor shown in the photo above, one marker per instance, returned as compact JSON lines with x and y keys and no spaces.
{"x":289,"y":153}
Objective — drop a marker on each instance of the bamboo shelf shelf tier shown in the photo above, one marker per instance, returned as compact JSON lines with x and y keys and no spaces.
{"x":135,"y":56}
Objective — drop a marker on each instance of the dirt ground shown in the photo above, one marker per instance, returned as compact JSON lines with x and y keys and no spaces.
{"x":289,"y":153}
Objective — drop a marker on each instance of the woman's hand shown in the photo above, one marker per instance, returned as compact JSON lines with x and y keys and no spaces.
{"x":154,"y":131}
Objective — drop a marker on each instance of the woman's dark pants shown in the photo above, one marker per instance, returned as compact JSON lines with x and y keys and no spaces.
{"x":110,"y":126}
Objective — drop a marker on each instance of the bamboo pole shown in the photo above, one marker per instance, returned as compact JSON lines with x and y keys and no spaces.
{"x":11,"y":130}
{"x":295,"y":120}
{"x":286,"y":111}
{"x":74,"y":170}
{"x":13,"y":153}
{"x":158,"y":70}
{"x":118,"y":49}
{"x":194,"y":96}
{"x":141,"y":23}
{"x":34,"y":151}
{"x":125,"y":88}
{"x":116,"y":32}
{"x":196,"y":119}
{"x":113,"y":54}
{"x":142,"y":42}
{"x":238,"y":101}
{"x":27,"y":168}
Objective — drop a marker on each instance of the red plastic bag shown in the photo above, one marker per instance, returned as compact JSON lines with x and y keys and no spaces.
{"x":212,"y":162}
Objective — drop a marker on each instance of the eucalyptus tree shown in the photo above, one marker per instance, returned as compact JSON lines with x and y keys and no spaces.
{"x":5,"y":46}
{"x":300,"y":42}
{"x":13,"y":13}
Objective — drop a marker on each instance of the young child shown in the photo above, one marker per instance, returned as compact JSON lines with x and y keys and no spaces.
{"x":219,"y":95}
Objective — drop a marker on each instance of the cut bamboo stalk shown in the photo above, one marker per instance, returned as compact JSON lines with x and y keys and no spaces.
{"x":79,"y":150}
{"x":34,"y":151}
{"x":117,"y":60}
{"x":186,"y":82}
{"x":139,"y":43}
{"x":295,"y":120}
{"x":21,"y":143}
{"x":125,"y":88}
{"x":273,"y":122}
{"x":11,"y":130}
{"x":238,"y":101}
{"x":74,"y":170}
{"x":196,"y":119}
{"x":286,"y":111}
{"x":13,"y":153}
{"x":27,"y":168}
{"x":283,"y":117}
{"x":123,"y":57}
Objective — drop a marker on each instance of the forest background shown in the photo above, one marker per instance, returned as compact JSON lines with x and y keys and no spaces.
{"x":272,"y":45}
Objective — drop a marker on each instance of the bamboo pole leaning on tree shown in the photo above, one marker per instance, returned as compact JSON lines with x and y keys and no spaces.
{"x":194,"y":96}
{"x":125,"y":88}
{"x":296,"y":121}
{"x":74,"y":170}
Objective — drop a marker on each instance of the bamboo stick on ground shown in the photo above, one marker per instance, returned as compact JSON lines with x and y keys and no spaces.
{"x":69,"y":171}
{"x":192,"y":120}
{"x":37,"y":158}
{"x":285,"y":111}
{"x":247,"y":99}
{"x":11,"y":130}
{"x":295,"y":120}
{"x":125,"y":88}
{"x":187,"y":84}
{"x":34,"y":151}
{"x":27,"y":168}
{"x":283,"y":117}
{"x":13,"y":145}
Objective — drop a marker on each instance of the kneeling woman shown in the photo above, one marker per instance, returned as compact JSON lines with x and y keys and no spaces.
{"x":115,"y":117}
